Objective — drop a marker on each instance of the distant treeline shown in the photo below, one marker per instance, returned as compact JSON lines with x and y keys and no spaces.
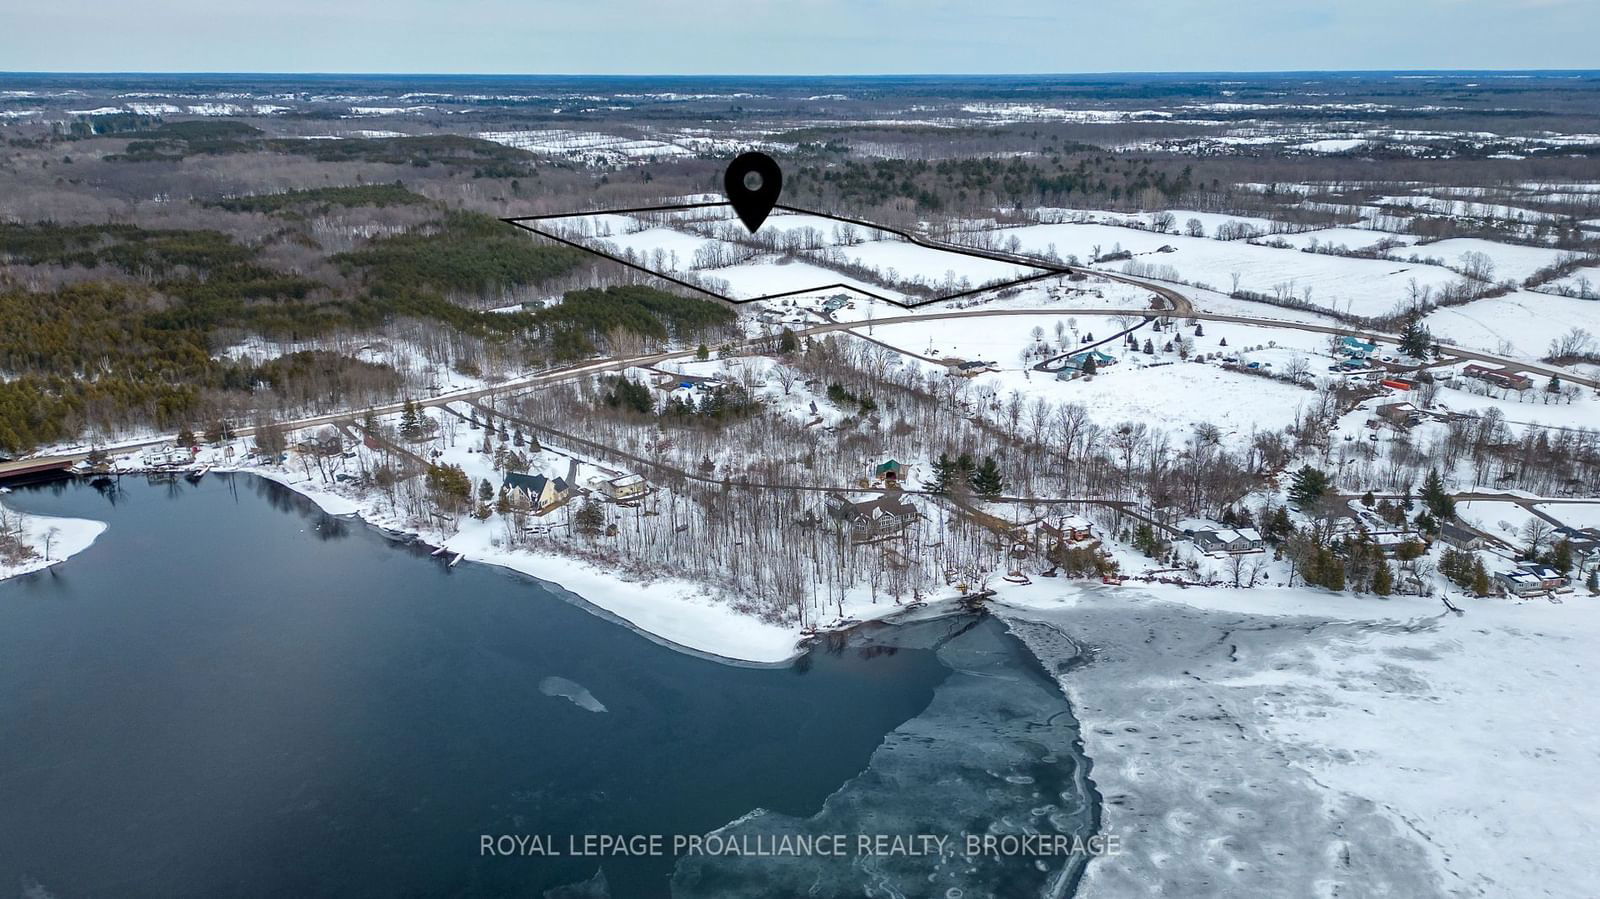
{"x":173,"y":141}
{"x":955,"y":184}
{"x":322,"y":199}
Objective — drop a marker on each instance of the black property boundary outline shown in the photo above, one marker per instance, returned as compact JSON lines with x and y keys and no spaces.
{"x":1046,"y":270}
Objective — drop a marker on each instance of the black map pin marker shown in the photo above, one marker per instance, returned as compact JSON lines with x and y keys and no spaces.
{"x":753,"y":182}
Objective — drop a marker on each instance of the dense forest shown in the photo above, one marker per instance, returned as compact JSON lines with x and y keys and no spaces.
{"x":133,"y":334}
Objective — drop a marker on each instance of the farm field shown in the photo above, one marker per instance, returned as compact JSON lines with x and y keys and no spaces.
{"x":1359,"y":286}
{"x":1512,"y":262}
{"x":1522,"y":323}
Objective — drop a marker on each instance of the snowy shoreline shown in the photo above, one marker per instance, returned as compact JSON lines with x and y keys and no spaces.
{"x":1297,"y":742}
{"x":66,"y":537}
{"x":672,"y":611}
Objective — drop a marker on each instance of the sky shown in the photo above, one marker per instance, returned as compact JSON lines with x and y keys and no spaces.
{"x":783,"y":37}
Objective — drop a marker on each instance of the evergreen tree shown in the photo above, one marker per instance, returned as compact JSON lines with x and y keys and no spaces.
{"x":702,"y":353}
{"x":1090,"y":366}
{"x":629,"y":394}
{"x":410,"y":427}
{"x":1415,"y":341}
{"x":986,"y":480}
{"x":1309,"y":486}
{"x":1382,"y":580}
{"x":965,"y":466}
{"x":1436,"y":498}
{"x":1277,"y":526}
{"x":788,"y":344}
{"x":186,"y":437}
{"x":485,"y":490}
{"x":1332,"y":570}
{"x":1199,"y":330}
{"x":943,"y":473}
{"x":1594,"y":581}
{"x":1561,"y":557}
{"x":1368,"y":500}
{"x":1480,"y":577}
{"x":590,"y":520}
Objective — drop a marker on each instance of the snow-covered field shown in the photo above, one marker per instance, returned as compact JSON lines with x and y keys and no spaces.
{"x":1523,"y":322}
{"x":54,"y":540}
{"x":1502,"y":519}
{"x":670,"y":241}
{"x":1361,"y":286}
{"x":1530,"y":409}
{"x":1272,"y":743}
{"x":1158,"y":389}
{"x":769,"y":277}
{"x":935,"y":266}
{"x":1176,"y":398}
{"x":1209,"y":221}
{"x":1468,"y":209}
{"x":1582,"y":282}
{"x":592,"y":147}
{"x":1350,"y":239}
{"x":1574,"y":515}
{"x":1512,"y":262}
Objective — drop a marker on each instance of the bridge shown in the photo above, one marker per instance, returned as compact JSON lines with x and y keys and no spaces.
{"x":24,"y":468}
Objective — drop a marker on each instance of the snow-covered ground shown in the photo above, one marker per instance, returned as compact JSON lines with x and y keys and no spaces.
{"x":911,"y":260}
{"x":1521,"y":323}
{"x":1582,"y":282}
{"x":53,"y":540}
{"x":770,"y":277}
{"x":1502,"y":519}
{"x":1573,"y":515}
{"x":1159,"y":389}
{"x":1348,"y":239}
{"x":1360,"y":286}
{"x":1524,"y":409}
{"x":1512,"y":262}
{"x":1298,"y":743}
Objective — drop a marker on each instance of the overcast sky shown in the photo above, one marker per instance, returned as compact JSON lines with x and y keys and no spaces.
{"x":793,"y":36}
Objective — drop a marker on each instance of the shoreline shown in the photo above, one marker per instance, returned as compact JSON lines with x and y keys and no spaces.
{"x":1325,"y":710}
{"x":66,"y":537}
{"x":676,"y":612}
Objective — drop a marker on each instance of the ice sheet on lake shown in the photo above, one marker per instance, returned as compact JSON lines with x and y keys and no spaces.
{"x":994,"y":752}
{"x":1203,"y":802}
{"x":577,"y":693}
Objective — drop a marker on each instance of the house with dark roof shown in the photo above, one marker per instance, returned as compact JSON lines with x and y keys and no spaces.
{"x":541,"y":492}
{"x":968,"y":368}
{"x":868,"y":519}
{"x":1244,"y":540}
{"x":1460,"y":537}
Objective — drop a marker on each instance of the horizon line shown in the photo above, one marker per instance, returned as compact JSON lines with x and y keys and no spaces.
{"x":1083,"y":74}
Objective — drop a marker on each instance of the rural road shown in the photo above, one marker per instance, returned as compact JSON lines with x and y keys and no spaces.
{"x":1182,"y":308}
